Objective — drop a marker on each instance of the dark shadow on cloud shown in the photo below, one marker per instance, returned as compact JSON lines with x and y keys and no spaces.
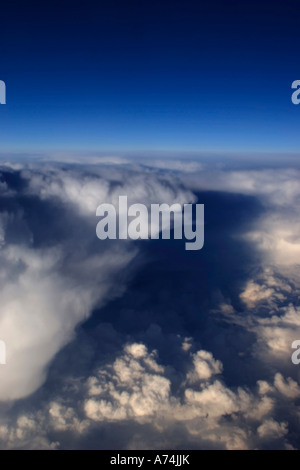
{"x":170,"y":294}
{"x":13,"y":179}
{"x":174,"y":292}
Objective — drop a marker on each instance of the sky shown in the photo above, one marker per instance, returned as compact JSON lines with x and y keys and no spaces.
{"x":135,"y":76}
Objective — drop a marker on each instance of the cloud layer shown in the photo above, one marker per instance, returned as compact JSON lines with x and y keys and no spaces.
{"x":121,"y":344}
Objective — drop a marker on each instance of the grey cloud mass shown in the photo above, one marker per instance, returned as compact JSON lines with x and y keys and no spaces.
{"x":135,"y":345}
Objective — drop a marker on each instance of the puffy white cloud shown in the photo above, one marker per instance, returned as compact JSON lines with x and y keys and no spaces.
{"x":205,"y":366}
{"x":136,"y":389}
{"x":289,"y":388}
{"x":255,"y":293}
{"x":40,"y":308}
{"x":88,"y":190}
{"x":272,"y":429}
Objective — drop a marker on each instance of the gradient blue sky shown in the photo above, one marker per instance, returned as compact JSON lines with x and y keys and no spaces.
{"x":150,"y":75}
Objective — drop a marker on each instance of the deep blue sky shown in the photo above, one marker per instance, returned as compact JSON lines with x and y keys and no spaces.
{"x":128,"y":75}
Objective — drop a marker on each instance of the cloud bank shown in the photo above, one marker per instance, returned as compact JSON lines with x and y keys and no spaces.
{"x":123,"y":344}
